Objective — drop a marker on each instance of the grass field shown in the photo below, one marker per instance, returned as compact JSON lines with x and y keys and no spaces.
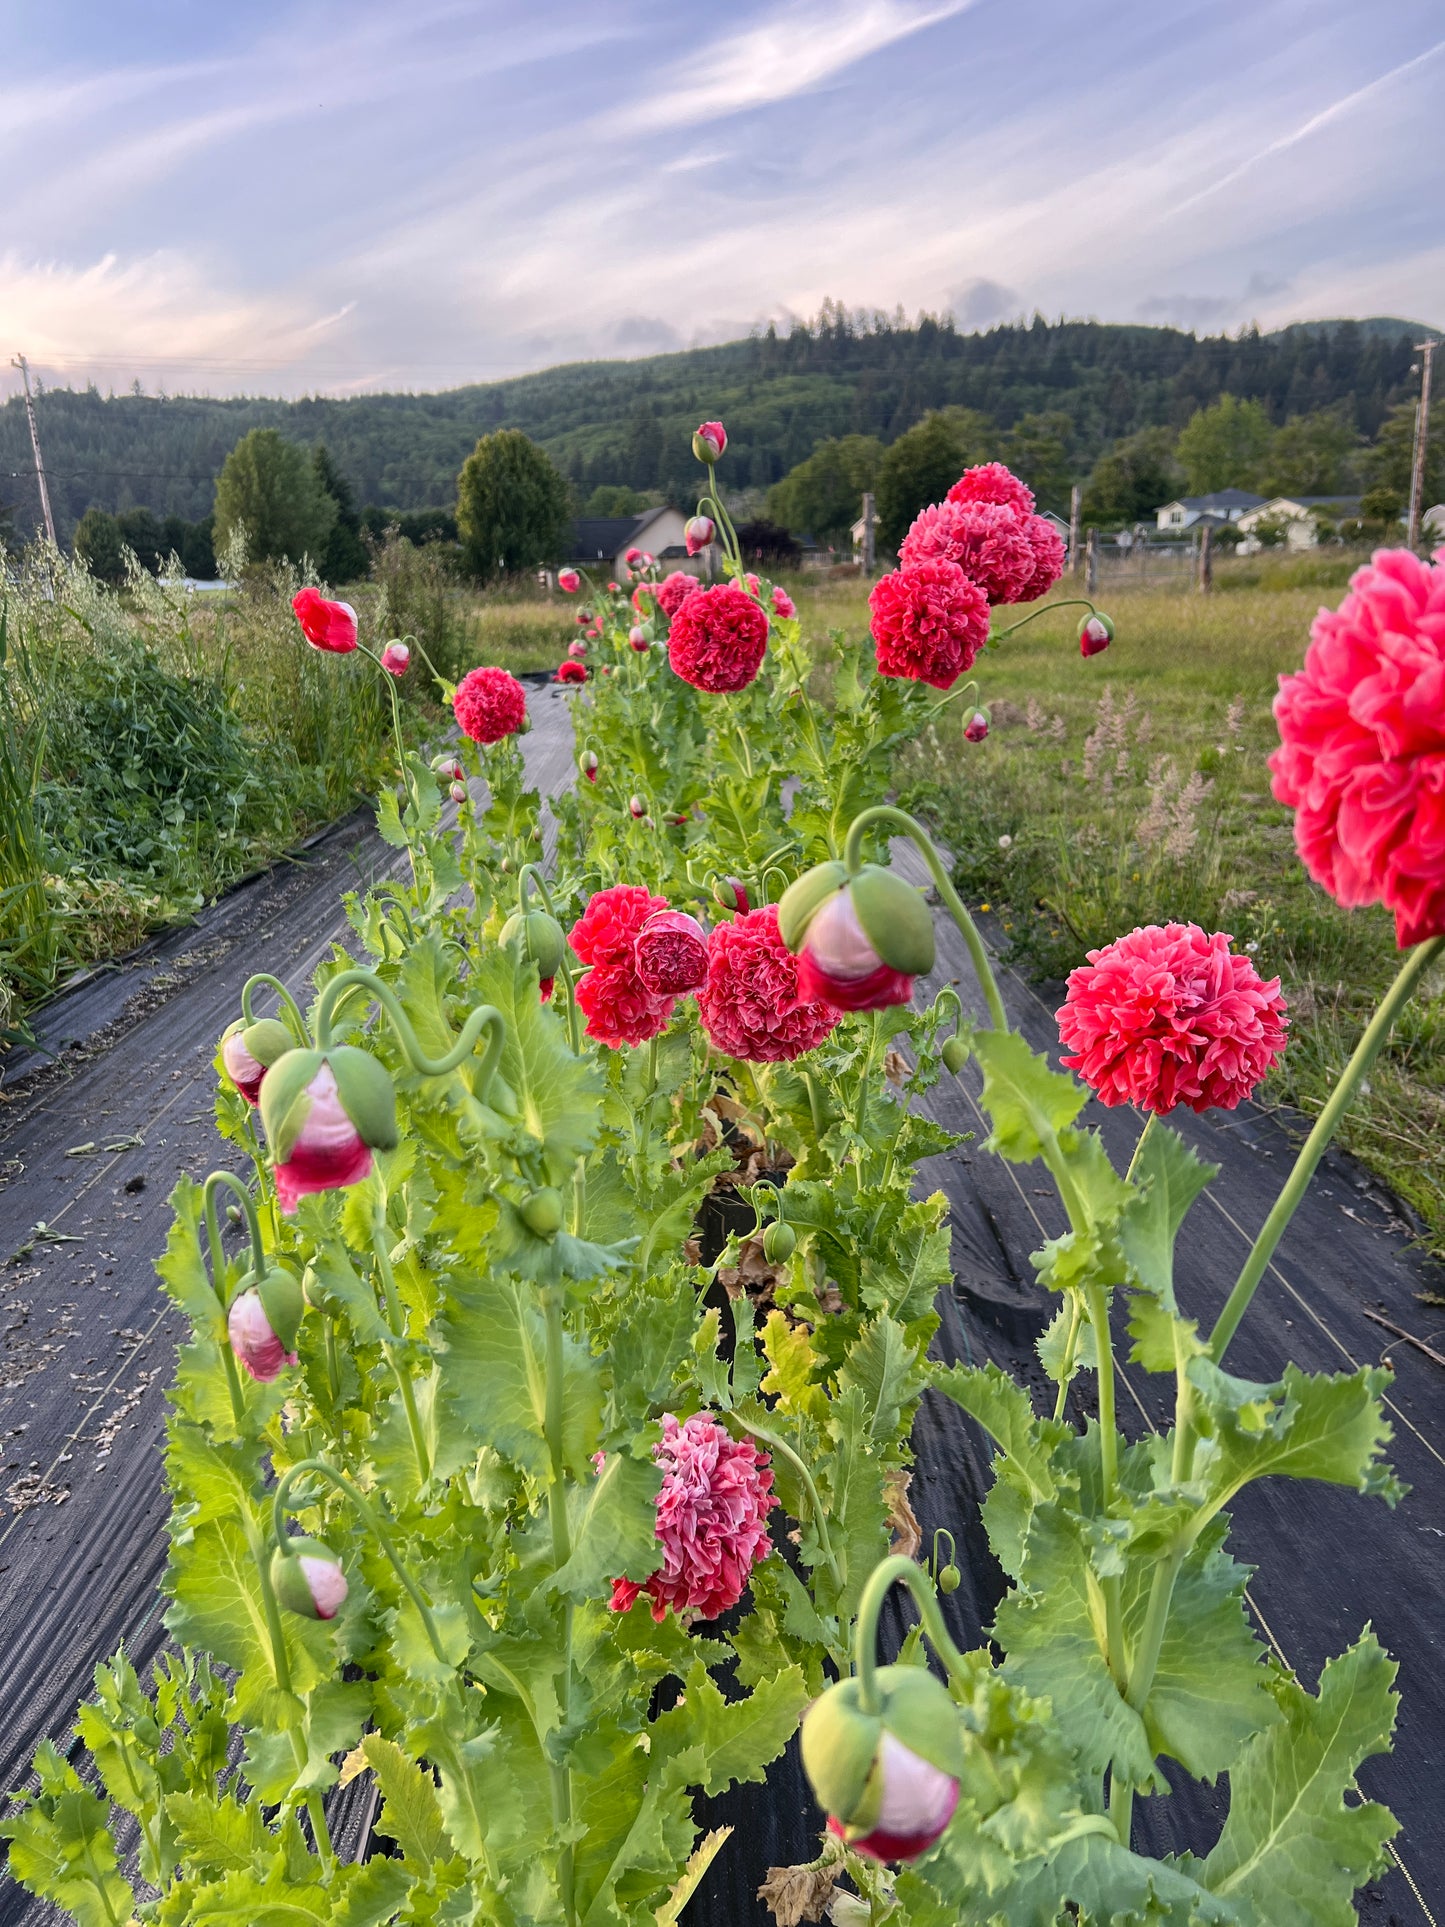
{"x":1132,"y":788}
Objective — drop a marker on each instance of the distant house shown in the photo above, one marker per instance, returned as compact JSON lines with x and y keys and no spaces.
{"x":1298,"y":515}
{"x":1225,"y":505}
{"x":601,"y":542}
{"x":1433,"y":521}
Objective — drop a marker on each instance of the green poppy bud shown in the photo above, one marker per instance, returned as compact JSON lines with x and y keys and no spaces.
{"x":538,"y":936}
{"x":895,"y":919}
{"x":949,"y":1578}
{"x":779,"y":1242}
{"x":542,"y":1212}
{"x":308,"y":1579}
{"x":955,"y":1054}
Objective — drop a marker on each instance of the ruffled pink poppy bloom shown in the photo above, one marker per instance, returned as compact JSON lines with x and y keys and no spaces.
{"x":986,"y":541}
{"x":929,"y":622}
{"x":671,"y":949}
{"x":995,"y":483}
{"x":753,"y":1005}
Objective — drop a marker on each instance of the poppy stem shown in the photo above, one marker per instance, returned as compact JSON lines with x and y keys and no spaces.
{"x":898,"y":1570}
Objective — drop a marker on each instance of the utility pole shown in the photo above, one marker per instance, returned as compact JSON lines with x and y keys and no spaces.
{"x":20,"y":362}
{"x":869,"y":544}
{"x":1075,"y":559}
{"x":1426,"y":352}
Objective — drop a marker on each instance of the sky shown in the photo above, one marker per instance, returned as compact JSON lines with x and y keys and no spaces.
{"x":306,"y":196}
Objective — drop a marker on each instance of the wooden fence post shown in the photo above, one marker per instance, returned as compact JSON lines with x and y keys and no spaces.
{"x":1091,"y":562}
{"x":1206,"y":560}
{"x":1076,"y":560}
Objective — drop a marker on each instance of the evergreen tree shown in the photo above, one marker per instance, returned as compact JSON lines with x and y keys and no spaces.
{"x":98,"y":546}
{"x":345,"y":559}
{"x":513,"y":507}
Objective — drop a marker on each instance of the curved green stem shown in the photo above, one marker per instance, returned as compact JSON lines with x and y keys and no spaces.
{"x":218,"y":1271}
{"x":936,"y":709}
{"x":820,"y":1518}
{"x":530,"y":877}
{"x":912,"y":828}
{"x":1149,"y":1123}
{"x":1045,"y":609}
{"x":373,"y":1520}
{"x":1417,"y":962}
{"x":898,"y":1569}
{"x":574,"y":1029}
{"x":554,"y":1427}
{"x":287,"y":1001}
{"x":484,"y":1018}
{"x":381,"y":1246}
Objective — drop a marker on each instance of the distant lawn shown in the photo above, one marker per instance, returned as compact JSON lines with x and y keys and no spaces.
{"x":1132,"y":788}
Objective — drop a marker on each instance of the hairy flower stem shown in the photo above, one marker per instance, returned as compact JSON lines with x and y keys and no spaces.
{"x":281,"y":1672}
{"x":899,"y":1570}
{"x":218,"y":1272}
{"x":374,"y":1522}
{"x":483,"y":1018}
{"x":1098,"y":1304}
{"x":289,"y":1006}
{"x":1045,"y":609}
{"x":853,"y":856}
{"x":1417,"y":962}
{"x":553,"y":1303}
{"x":381,"y":1246}
{"x":820,"y":1517}
{"x":1071,"y":1353}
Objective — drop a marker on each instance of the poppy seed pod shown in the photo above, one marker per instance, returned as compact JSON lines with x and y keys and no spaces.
{"x":538,"y":936}
{"x":888,"y":1781}
{"x":324,"y":1113}
{"x":671,"y":953}
{"x":780,"y":1241}
{"x":308,"y":1579}
{"x":249,"y":1050}
{"x":542,"y":1212}
{"x":1096,"y":632}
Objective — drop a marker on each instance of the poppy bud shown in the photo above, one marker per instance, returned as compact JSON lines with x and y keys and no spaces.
{"x":698,"y":532}
{"x":396,"y":658}
{"x":860,"y":940}
{"x":249,"y":1050}
{"x":638,"y":639}
{"x":955,"y":1054}
{"x":632,"y":558}
{"x":976,"y":728}
{"x":538,"y":936}
{"x":614,"y":588}
{"x":324,"y":1112}
{"x":779,"y":1242}
{"x":448,"y":766}
{"x":671,"y":953}
{"x":709,"y":442}
{"x":1095,"y":634}
{"x":576,"y":647}
{"x":949,"y":1578}
{"x":637,"y":806}
{"x":458,"y":792}
{"x":308,"y":1579}
{"x":888,"y":1781}
{"x":729,"y":893}
{"x":584,"y":616}
{"x":568,"y":581}
{"x":542,"y":1212}
{"x":263,"y":1321}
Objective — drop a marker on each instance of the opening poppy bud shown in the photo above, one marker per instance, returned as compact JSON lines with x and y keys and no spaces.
{"x":976,"y":728}
{"x":859,"y":946}
{"x":328,"y":626}
{"x":542,"y":1212}
{"x":955,"y":1054}
{"x":324,"y":1113}
{"x":572,"y":671}
{"x":249,"y":1050}
{"x":614,"y":588}
{"x":728,"y":893}
{"x":458,"y":792}
{"x":576,"y":647}
{"x":568,"y":581}
{"x":637,"y":637}
{"x":637,"y":806}
{"x":307,"y":1578}
{"x":698,"y":533}
{"x":587,"y":763}
{"x":535,"y":934}
{"x":780,"y":1241}
{"x":1095,"y":634}
{"x":671,"y":953}
{"x":396,"y":658}
{"x":709,"y":442}
{"x":263,"y":1321}
{"x":888,"y":1781}
{"x":632,"y":557}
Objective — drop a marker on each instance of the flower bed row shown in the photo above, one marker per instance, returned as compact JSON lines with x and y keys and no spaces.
{"x":470,"y":1451}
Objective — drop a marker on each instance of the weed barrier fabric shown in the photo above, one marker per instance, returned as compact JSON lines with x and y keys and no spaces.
{"x":78,"y":1576}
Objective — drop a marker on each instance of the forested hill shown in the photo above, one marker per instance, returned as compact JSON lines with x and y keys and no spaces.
{"x":780,"y":394}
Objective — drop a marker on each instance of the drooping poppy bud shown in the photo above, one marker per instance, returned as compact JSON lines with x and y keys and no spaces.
{"x":955,"y":1054}
{"x":458,"y":792}
{"x":328,"y":626}
{"x":709,"y":442}
{"x":950,"y":1578}
{"x":729,"y":893}
{"x":637,"y":806}
{"x":568,"y":581}
{"x":698,"y":532}
{"x":449,"y":767}
{"x":976,"y":727}
{"x":308,"y":1579}
{"x":614,"y":588}
{"x":637,"y":636}
{"x":889,"y":1780}
{"x":542,"y":1212}
{"x":1095,"y":634}
{"x":324,"y":1113}
{"x":249,"y":1050}
{"x":671,"y":953}
{"x":396,"y":658}
{"x":587,"y":763}
{"x":779,"y":1242}
{"x":576,"y":648}
{"x":263,"y":1321}
{"x":860,"y":940}
{"x":632,"y":558}
{"x":535,"y":934}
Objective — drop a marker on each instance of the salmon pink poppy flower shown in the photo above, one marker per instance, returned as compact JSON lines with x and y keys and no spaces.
{"x":328,"y":626}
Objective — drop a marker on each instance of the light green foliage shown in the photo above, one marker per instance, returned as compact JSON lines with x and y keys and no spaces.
{"x":1224,"y":445}
{"x":923,"y":464}
{"x":823,"y":496}
{"x":512,"y":507}
{"x":271,"y":496}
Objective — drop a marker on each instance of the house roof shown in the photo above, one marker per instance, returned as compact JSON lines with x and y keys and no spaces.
{"x":596,"y":537}
{"x":1349,"y":504}
{"x":1219,"y":503}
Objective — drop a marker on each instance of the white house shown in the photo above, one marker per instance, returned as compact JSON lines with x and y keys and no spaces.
{"x":1297,"y":515}
{"x":1225,"y":505}
{"x":601,"y":542}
